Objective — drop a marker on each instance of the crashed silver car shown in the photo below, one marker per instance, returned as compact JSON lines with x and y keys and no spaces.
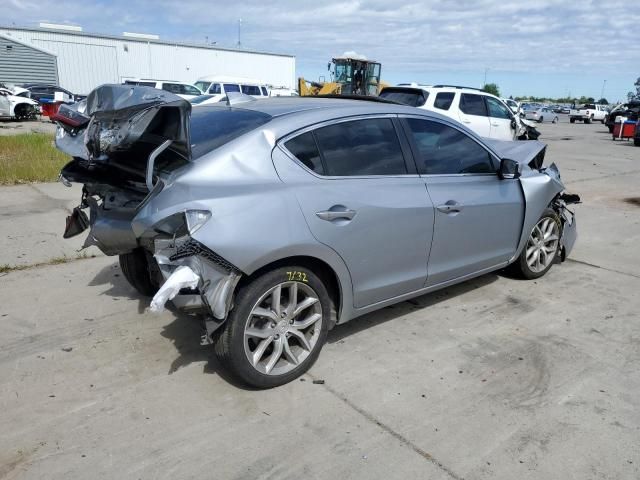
{"x":276,"y":220}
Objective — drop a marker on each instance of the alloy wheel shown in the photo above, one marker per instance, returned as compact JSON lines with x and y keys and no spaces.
{"x":542,"y":245}
{"x":283,"y":328}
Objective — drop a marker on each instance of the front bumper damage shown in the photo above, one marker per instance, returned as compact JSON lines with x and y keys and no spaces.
{"x":196,"y":279}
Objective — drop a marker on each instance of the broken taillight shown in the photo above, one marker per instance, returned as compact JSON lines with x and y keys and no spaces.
{"x":70,"y":117}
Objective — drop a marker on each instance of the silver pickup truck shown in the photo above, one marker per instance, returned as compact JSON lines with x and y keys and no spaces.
{"x":588,"y":113}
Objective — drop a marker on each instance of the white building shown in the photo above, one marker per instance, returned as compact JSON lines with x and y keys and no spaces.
{"x":85,"y":60}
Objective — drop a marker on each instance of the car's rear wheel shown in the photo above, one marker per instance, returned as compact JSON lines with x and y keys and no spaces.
{"x":277,"y":328}
{"x":572,"y":120}
{"x":542,"y":247}
{"x":136,"y":268}
{"x":556,"y":120}
{"x":588,"y":120}
{"x":541,"y":119}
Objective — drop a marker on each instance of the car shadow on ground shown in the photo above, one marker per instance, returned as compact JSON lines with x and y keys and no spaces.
{"x":185,"y":330}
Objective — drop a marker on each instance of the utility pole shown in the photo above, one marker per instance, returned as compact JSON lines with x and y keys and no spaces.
{"x":239,"y":32}
{"x":486,"y":69}
{"x":602,"y":92}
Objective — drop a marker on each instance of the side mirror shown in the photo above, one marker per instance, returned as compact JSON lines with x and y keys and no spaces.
{"x":509,"y":169}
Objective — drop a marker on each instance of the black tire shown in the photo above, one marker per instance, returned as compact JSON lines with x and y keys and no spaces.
{"x":588,"y":120}
{"x":520,"y":266}
{"x":541,"y":119}
{"x":603,"y":121}
{"x":572,"y":120}
{"x":230,"y":347}
{"x":555,"y":120}
{"x":136,"y":269}
{"x":636,"y":142}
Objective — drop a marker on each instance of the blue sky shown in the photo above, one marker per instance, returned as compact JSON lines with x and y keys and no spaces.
{"x":537,"y":47}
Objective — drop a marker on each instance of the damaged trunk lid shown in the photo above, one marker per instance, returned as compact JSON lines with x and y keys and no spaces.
{"x":112,"y":136}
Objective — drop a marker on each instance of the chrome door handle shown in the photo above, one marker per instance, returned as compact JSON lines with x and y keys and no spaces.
{"x":495,"y":124}
{"x":330,"y":215}
{"x":450,"y":207}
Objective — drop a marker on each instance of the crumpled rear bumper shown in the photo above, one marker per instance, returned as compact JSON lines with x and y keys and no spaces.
{"x":215,"y":278}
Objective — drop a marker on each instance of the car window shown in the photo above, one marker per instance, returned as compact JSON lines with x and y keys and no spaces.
{"x":212,"y":127}
{"x":172,"y":87}
{"x":231,"y":87}
{"x":189,"y":90}
{"x":473,"y":104}
{"x":411,"y":97}
{"x":497,"y":109}
{"x":214,"y":89}
{"x":361,"y":147}
{"x":250,"y":89}
{"x":204,"y":86}
{"x":443,"y":100}
{"x":445,"y":150}
{"x":264,"y":91}
{"x":305,"y":149}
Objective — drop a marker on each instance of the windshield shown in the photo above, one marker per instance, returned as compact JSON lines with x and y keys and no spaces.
{"x":212,"y":127}
{"x":202,"y":85}
{"x":413,"y":98}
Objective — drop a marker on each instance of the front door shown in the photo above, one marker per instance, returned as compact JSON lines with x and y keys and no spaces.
{"x":360,"y":198}
{"x":5,"y":106}
{"x":478,"y":217}
{"x":500,"y":118}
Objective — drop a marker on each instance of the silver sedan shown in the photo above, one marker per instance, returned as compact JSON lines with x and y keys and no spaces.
{"x":276,"y":220}
{"x":542,"y":115}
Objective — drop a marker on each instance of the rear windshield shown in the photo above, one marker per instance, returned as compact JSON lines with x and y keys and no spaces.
{"x":413,"y":98}
{"x":212,"y":127}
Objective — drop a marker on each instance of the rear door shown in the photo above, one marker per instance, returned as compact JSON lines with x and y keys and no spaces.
{"x":478,"y":217}
{"x":361,"y":197}
{"x":500,"y":118}
{"x":5,"y":106}
{"x":473,"y":113}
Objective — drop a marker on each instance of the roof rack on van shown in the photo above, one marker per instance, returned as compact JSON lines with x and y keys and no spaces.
{"x":457,"y":86}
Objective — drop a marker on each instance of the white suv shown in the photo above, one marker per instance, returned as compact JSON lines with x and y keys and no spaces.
{"x":482,"y":112}
{"x":182,"y":89}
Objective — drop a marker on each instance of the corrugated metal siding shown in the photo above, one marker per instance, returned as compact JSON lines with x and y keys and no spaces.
{"x":21,"y":64}
{"x":87,"y":61}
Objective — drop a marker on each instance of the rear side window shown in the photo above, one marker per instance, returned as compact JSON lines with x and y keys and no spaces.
{"x":212,"y":127}
{"x":264,"y":91}
{"x":172,"y":87}
{"x":473,"y":104}
{"x":214,"y":89}
{"x":304,"y":148}
{"x":361,"y":147}
{"x":444,"y":150}
{"x":444,"y":100}
{"x":250,"y":90}
{"x":189,"y":90}
{"x":231,"y":87}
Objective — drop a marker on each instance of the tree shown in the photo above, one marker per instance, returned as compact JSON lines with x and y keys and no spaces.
{"x":491,"y":88}
{"x":603,"y":101}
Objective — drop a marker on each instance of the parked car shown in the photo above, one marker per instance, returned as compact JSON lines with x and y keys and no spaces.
{"x":278,"y":219}
{"x":44,"y":92}
{"x":588,"y":113}
{"x":16,"y":107}
{"x":182,"y":89}
{"x":219,"y":86}
{"x":541,"y":115}
{"x":482,"y":112}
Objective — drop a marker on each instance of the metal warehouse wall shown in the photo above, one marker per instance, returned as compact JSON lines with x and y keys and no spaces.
{"x":86,"y":61}
{"x":22,"y":64}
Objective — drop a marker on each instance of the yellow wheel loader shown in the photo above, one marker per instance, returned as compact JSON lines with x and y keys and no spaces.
{"x":351,"y":75}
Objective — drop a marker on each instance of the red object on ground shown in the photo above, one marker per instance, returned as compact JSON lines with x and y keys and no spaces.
{"x":50,"y":109}
{"x":628,"y":130}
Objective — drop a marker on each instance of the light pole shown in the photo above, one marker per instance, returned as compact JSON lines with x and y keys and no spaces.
{"x":239,"y":32}
{"x":486,"y":69}
{"x":602,"y":92}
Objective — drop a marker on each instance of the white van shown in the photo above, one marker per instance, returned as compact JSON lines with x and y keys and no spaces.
{"x":182,"y":89}
{"x":216,"y":87}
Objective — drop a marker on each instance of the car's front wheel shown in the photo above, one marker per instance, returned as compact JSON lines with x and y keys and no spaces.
{"x":277,"y":328}
{"x":542,"y":247}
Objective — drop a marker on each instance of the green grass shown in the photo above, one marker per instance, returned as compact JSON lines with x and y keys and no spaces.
{"x":6,"y":268}
{"x":29,"y":157}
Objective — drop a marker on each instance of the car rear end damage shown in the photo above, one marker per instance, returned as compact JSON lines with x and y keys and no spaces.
{"x":127,"y":144}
